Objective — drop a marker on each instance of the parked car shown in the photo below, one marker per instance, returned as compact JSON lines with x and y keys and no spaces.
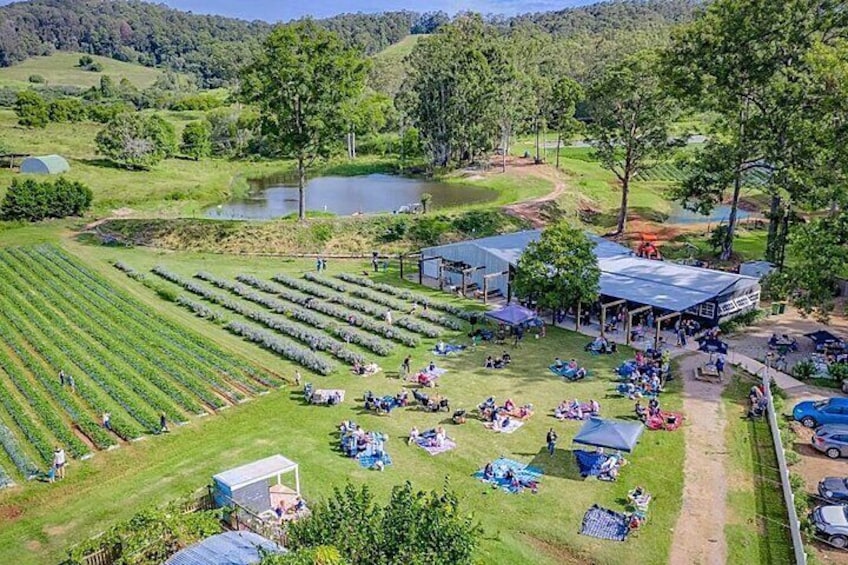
{"x":813,"y":413}
{"x":834,"y":489}
{"x":831,"y":440}
{"x":831,"y":524}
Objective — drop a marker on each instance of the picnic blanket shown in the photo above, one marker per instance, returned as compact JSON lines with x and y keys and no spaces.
{"x":513,"y":425}
{"x":661,"y":421}
{"x":368,"y":461}
{"x":570,"y":414}
{"x":450,"y":348}
{"x":428,"y":444}
{"x":590,"y":462}
{"x":626,"y":369}
{"x":603,"y":523}
{"x":567,"y":372}
{"x":321,"y":395}
{"x":528,"y":477}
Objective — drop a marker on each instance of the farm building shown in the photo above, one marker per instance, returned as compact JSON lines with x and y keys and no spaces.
{"x":709,"y":295}
{"x":45,"y":165}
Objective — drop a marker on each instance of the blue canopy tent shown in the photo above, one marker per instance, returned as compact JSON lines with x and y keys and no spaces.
{"x":229,"y":548}
{"x":611,"y":434}
{"x":512,"y":315}
{"x":824,"y":339}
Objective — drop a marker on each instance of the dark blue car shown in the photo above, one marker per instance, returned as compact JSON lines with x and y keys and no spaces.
{"x":817,"y":413}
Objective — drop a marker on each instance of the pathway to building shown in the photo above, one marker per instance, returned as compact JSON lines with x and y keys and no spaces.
{"x":699,"y":532}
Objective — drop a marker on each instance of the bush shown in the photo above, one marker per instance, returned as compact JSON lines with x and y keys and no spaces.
{"x":838,"y":371}
{"x":478,"y":223}
{"x":31,"y":109}
{"x":33,"y":201}
{"x":747,"y":319}
{"x":36,"y":79}
{"x":804,"y":369}
{"x":428,"y":230}
{"x":136,"y":141}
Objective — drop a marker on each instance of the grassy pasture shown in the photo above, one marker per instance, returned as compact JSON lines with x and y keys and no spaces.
{"x":61,"y":69}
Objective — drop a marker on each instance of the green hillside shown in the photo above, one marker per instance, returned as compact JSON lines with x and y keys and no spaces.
{"x":60,"y":69}
{"x":400,"y":49}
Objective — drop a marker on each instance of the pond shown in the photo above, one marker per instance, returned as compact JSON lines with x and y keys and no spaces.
{"x":679,"y":215}
{"x":274,"y":197}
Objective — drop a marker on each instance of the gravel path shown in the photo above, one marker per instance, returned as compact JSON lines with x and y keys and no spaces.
{"x":699,"y":533}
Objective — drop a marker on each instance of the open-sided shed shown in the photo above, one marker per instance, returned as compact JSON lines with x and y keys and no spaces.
{"x":250,"y":486}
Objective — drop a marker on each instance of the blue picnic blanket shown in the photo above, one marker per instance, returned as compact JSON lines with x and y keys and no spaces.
{"x":528,"y":476}
{"x":590,"y":462}
{"x":626,"y":369}
{"x":449,"y":348}
{"x":368,"y":461}
{"x":566,"y":372}
{"x":602,"y":523}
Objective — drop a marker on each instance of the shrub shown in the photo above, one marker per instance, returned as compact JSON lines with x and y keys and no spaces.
{"x":838,"y":371}
{"x":479,"y":223}
{"x":33,"y":201}
{"x":31,"y":109}
{"x":804,"y":369}
{"x":428,"y":230}
{"x":36,"y":79}
{"x":136,"y":141}
{"x":747,"y":319}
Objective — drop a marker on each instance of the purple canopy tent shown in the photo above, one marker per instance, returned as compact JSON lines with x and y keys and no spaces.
{"x":512,"y":315}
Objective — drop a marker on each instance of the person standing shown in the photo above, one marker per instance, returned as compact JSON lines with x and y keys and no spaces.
{"x":318,"y":264}
{"x":297,"y":378}
{"x":406,"y":365}
{"x":720,"y":367}
{"x":389,"y":317}
{"x":163,"y":423}
{"x":71,"y":383}
{"x":107,"y":421}
{"x":62,"y":377}
{"x":59,"y":462}
{"x":375,"y":262}
{"x":551,"y":440}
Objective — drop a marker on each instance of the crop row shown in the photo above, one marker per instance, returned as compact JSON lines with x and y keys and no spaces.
{"x":13,"y":449}
{"x":342,"y":331}
{"x":315,"y":340}
{"x":84,"y":353}
{"x":324,"y":281}
{"x":385,"y":300}
{"x":48,"y":340}
{"x":365,"y":323}
{"x":200,"y":310}
{"x":185,"y":344}
{"x":33,"y":433}
{"x":302,"y":286}
{"x":183,"y":368}
{"x":283,"y":347}
{"x":408,"y":295}
{"x":124,"y":338}
{"x":129,"y":271}
{"x":69,"y":404}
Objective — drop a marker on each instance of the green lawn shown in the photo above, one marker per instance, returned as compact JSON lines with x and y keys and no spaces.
{"x":60,"y":69}
{"x":756,"y":514}
{"x":37,"y":521}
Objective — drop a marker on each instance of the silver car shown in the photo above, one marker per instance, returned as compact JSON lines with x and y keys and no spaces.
{"x":832,"y":440}
{"x":831,"y":524}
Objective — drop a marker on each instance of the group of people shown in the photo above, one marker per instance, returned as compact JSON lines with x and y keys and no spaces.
{"x":433,"y":438}
{"x":572,"y":369}
{"x":575,"y":410}
{"x":515,"y":482}
{"x":67,"y":380}
{"x":757,"y":401}
{"x":298,"y":507}
{"x":601,"y":345}
{"x":501,"y":416}
{"x":385,"y":404}
{"x":497,"y":362}
{"x":365,"y":369}
{"x":320,"y":264}
{"x":356,"y":442}
{"x":652,"y":411}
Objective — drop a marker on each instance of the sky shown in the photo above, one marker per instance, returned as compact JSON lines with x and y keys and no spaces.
{"x":284,"y":10}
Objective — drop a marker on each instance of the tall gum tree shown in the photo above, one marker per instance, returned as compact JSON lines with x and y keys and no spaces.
{"x":302,"y":82}
{"x":630,"y":113}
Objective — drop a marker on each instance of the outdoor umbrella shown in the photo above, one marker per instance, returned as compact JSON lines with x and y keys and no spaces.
{"x":512,"y":315}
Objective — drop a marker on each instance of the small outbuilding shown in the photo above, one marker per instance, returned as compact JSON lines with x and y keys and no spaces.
{"x":756,"y":269}
{"x":258,"y":486}
{"x":45,"y":165}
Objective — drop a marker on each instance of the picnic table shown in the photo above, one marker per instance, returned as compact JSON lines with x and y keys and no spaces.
{"x":707,"y":372}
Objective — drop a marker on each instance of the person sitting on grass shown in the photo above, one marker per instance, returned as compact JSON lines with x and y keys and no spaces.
{"x":490,"y":363}
{"x":561,"y":411}
{"x":641,"y":414}
{"x":575,"y":410}
{"x":431,"y":367}
{"x":594,"y":407}
{"x":505,"y":423}
{"x":489,"y":471}
{"x":558,"y":363}
{"x":413,"y":435}
{"x":505,"y":357}
{"x":441,"y":347}
{"x":509,"y":405}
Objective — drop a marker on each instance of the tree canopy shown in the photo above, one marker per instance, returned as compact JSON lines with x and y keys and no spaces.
{"x":302,"y":83}
{"x":136,"y":141}
{"x":560,"y":270}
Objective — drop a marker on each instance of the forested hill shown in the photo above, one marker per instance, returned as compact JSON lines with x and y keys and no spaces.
{"x":212,"y":47}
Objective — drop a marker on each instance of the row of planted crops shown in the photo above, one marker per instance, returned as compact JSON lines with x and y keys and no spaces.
{"x":316,"y":321}
{"x":56,"y":315}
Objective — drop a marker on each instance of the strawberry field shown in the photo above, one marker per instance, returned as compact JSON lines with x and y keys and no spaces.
{"x":124,"y":359}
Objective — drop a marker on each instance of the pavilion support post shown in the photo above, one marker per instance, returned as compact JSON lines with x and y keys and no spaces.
{"x":400,"y":258}
{"x":604,"y":314}
{"x":630,"y":315}
{"x":579,"y":313}
{"x":660,"y":320}
{"x":421,"y":271}
{"x":297,"y":480}
{"x":463,"y":282}
{"x":485,"y":290}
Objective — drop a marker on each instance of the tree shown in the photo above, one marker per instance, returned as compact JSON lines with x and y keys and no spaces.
{"x":414,"y":527}
{"x":197,"y":140}
{"x":135,"y":141}
{"x":425,"y":200}
{"x":230,"y":131}
{"x":564,"y":98}
{"x":301,"y":81}
{"x":33,"y":201}
{"x":31,"y":109}
{"x":630,"y":114}
{"x":748,"y":61}
{"x":559,"y":270}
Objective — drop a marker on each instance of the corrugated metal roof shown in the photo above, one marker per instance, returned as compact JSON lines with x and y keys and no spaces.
{"x":45,"y":164}
{"x":256,"y":471}
{"x":229,"y":548}
{"x":650,"y":293}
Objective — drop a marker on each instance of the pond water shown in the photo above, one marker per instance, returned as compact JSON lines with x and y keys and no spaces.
{"x":679,"y":215}
{"x":274,"y":197}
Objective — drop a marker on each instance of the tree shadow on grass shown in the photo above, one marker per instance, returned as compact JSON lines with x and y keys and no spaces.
{"x":104,"y":164}
{"x":562,"y":464}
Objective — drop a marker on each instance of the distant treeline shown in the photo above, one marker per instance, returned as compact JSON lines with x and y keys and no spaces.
{"x":213,"y":47}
